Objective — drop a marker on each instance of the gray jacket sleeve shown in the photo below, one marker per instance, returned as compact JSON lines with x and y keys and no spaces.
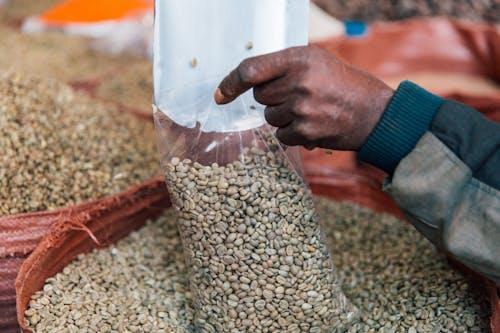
{"x":447,"y":181}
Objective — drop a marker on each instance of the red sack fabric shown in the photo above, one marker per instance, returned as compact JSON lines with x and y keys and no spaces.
{"x":429,"y":44}
{"x":102,"y":224}
{"x":8,"y":272}
{"x":22,"y":233}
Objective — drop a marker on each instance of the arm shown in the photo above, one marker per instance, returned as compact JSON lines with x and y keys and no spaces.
{"x":444,"y":162}
{"x":442,"y":157}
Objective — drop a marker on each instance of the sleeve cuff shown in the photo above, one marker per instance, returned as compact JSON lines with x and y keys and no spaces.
{"x":407,"y":117}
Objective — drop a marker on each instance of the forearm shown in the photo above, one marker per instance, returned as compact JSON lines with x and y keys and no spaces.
{"x":443,"y":158}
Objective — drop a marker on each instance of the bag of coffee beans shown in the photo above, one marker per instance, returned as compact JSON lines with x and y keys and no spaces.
{"x":257,"y":257}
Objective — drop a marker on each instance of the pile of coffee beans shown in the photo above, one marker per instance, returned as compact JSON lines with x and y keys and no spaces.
{"x":396,"y":277}
{"x":12,"y":11}
{"x":132,"y":88}
{"x":140,"y":284}
{"x":389,"y":10}
{"x":254,"y":246}
{"x":60,"y":148}
{"x":55,"y":55}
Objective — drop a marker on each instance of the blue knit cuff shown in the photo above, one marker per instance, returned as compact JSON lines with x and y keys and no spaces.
{"x":407,"y":117}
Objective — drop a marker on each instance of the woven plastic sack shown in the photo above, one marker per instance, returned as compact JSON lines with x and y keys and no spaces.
{"x":104,"y":223}
{"x":420,"y":47}
{"x":21,"y":234}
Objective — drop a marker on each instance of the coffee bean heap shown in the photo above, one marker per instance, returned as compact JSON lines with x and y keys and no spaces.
{"x":12,"y":11}
{"x":390,"y":10}
{"x":254,"y":246}
{"x":132,"y":88}
{"x":59,"y":56}
{"x":60,"y":148}
{"x":137,"y":285}
{"x":388,"y":270}
{"x":396,"y":278}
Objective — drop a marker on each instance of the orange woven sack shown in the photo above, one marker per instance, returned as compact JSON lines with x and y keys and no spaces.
{"x":90,"y":11}
{"x":114,"y":26}
{"x":435,"y":52}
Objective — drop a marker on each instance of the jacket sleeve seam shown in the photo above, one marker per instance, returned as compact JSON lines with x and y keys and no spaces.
{"x":483,"y":187}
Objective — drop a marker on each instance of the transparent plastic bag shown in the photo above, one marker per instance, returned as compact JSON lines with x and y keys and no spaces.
{"x":258,"y":260}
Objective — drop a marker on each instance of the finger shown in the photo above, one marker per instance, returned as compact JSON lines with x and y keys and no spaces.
{"x":289,"y":136}
{"x":251,"y":72}
{"x":278,"y":116}
{"x":273,"y":92}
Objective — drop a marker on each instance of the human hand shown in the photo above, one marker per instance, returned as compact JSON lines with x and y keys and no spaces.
{"x":313,"y":98}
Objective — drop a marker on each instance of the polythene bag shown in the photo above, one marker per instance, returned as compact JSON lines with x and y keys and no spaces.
{"x":258,"y":260}
{"x":257,"y":256}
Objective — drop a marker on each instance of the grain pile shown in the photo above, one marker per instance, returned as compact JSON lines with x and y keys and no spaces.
{"x":55,"y":55}
{"x":255,"y":249}
{"x":394,"y":275}
{"x":13,"y":11}
{"x":131,"y":87}
{"x":138,"y":285}
{"x":389,"y":10}
{"x":60,"y":148}
{"x":391,"y":272}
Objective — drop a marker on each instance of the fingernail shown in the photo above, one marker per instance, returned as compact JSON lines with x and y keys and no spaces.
{"x":219,"y":96}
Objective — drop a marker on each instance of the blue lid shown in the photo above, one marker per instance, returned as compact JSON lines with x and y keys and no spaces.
{"x":355,"y":28}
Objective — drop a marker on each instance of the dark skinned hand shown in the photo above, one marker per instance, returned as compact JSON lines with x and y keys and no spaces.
{"x":313,"y":98}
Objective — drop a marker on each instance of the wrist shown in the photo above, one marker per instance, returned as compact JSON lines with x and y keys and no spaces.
{"x":377,"y":106}
{"x":406,"y":118}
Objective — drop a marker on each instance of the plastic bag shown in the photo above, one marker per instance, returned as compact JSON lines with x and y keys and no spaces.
{"x":258,"y":260}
